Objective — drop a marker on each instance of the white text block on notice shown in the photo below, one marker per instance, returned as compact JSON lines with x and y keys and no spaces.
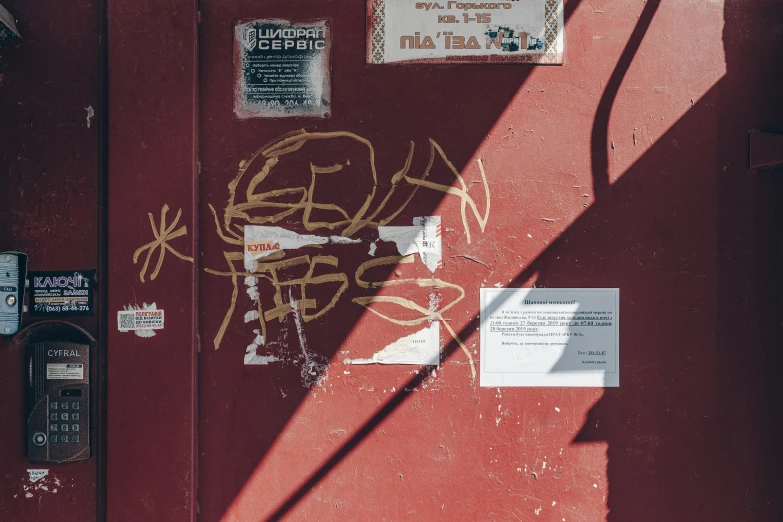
{"x":550,"y":337}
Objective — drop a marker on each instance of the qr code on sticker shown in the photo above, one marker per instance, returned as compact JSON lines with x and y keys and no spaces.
{"x":127,"y":320}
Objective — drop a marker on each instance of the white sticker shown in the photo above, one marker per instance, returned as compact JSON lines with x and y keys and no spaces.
{"x":37,"y":474}
{"x":65,"y":371}
{"x":423,"y":237}
{"x":141,"y":331}
{"x":139,"y":320}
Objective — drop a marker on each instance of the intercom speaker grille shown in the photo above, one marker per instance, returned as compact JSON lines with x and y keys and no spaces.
{"x":9,"y":278}
{"x":39,"y":371}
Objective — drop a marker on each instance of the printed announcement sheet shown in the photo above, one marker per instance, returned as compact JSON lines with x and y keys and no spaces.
{"x":550,"y":337}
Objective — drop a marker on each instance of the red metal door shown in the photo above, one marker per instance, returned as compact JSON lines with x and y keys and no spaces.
{"x":626,"y":167}
{"x":51,"y":146}
{"x":619,"y":169}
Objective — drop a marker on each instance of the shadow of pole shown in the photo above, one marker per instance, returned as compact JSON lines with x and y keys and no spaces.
{"x":368,"y":427}
{"x":599,"y":138}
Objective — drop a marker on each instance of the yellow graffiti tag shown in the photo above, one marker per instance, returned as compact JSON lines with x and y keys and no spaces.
{"x":249,"y":205}
{"x":162,"y":235}
{"x":425,"y":314}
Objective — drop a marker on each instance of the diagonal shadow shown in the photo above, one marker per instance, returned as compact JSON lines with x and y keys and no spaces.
{"x":367,"y":428}
{"x":422,"y":94}
{"x":604,"y":247}
{"x":662,"y":465}
{"x":601,"y":188}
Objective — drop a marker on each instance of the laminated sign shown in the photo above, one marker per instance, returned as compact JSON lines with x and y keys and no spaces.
{"x":409,"y":31}
{"x":62,"y":293}
{"x":282,"y":69}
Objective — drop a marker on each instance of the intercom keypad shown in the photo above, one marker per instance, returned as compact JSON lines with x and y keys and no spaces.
{"x":73,"y":425}
{"x":58,"y":423}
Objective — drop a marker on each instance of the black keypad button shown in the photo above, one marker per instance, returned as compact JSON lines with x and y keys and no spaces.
{"x":53,"y":405}
{"x":75,"y":438}
{"x":74,"y":416}
{"x":54,"y":427}
{"x":53,"y":438}
{"x":75,"y":405}
{"x":74,"y":427}
{"x":64,"y":438}
{"x":63,"y":416}
{"x":63,"y":427}
{"x":63,"y":405}
{"x":53,"y":416}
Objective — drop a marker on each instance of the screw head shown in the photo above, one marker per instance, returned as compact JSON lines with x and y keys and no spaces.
{"x":7,"y":329}
{"x":7,"y":258}
{"x":10,"y":300}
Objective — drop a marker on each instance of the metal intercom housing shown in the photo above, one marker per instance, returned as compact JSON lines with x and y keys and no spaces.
{"x":58,"y":425}
{"x":13,"y":269}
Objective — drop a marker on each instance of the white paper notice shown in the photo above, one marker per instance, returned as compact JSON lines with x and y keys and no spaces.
{"x":550,"y":337}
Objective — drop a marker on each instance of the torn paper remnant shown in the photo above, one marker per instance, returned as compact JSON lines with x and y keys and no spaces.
{"x":264,"y":241}
{"x":341,"y":240}
{"x":422,"y":347}
{"x":251,"y":358}
{"x":37,"y":474}
{"x":260,"y":360}
{"x":423,"y":237}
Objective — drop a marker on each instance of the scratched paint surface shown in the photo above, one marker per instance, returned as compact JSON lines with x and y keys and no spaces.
{"x":48,"y":209}
{"x":592,"y":170}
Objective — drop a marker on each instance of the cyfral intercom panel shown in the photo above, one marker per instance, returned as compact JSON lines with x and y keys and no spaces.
{"x":13,"y":266}
{"x":58,"y":426}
